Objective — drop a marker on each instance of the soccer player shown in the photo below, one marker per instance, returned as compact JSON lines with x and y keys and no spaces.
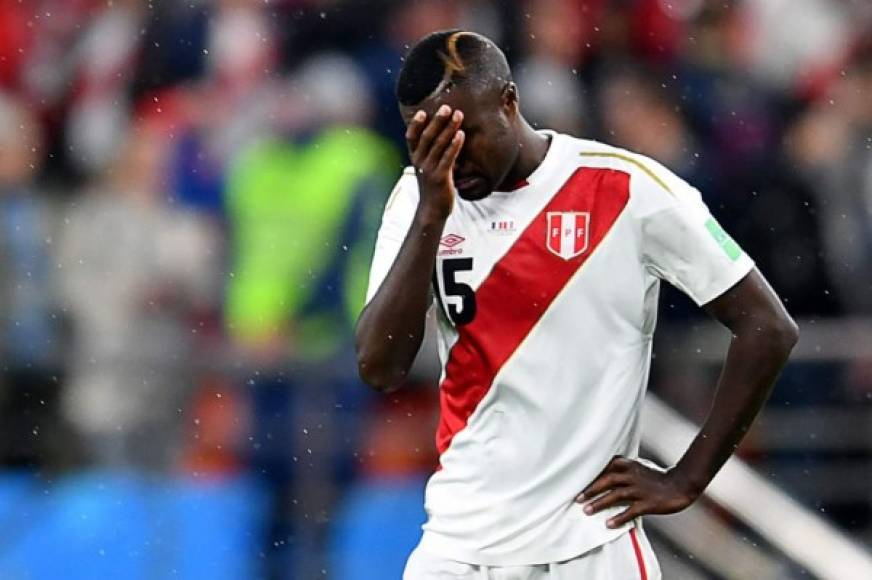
{"x":543,"y":254}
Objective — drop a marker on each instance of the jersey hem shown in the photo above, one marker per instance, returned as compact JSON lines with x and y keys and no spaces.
{"x":736,"y":275}
{"x":446,"y":548}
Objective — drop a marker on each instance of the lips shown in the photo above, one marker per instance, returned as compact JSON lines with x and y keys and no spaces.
{"x":468,"y":183}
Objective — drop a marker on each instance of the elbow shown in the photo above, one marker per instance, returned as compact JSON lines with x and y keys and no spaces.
{"x":783,"y":333}
{"x":769,"y":334}
{"x":377,"y":365}
{"x":378,"y":377}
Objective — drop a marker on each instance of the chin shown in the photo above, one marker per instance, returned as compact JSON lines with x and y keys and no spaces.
{"x":475,"y":193}
{"x":470,"y":196}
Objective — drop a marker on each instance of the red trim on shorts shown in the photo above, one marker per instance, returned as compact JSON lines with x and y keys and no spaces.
{"x":643,"y":573}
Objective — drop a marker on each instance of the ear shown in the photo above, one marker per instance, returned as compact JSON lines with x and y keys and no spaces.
{"x":510,"y":98}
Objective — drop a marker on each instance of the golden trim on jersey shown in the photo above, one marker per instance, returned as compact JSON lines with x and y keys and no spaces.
{"x":397,"y":187}
{"x":635,"y":162}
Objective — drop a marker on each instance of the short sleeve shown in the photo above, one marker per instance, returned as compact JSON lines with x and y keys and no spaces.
{"x":684,"y":244}
{"x":396,"y":221}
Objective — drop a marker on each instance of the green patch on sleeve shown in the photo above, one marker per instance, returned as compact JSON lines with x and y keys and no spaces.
{"x":728,"y":244}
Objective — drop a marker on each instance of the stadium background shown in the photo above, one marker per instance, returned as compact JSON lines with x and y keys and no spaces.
{"x":189,"y":193}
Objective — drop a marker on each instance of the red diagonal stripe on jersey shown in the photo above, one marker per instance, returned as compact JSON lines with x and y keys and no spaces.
{"x":518,"y":291}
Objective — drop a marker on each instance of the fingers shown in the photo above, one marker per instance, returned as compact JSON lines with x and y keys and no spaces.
{"x":433,"y":128}
{"x":413,"y":131}
{"x":642,"y":489}
{"x":434,"y":145}
{"x":620,"y":464}
{"x":443,"y":139}
{"x":613,"y":475}
{"x":451,"y":152}
{"x":604,"y":482}
{"x":610,"y":499}
{"x":636,"y":509}
{"x":436,"y":136}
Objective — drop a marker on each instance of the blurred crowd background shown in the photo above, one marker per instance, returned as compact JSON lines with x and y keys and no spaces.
{"x":189,"y":194}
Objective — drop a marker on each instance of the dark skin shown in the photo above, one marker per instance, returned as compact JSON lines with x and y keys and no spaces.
{"x":486,"y":145}
{"x":481,"y":142}
{"x":763,"y":336}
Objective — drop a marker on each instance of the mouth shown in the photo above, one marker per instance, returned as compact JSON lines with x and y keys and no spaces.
{"x":471,"y":186}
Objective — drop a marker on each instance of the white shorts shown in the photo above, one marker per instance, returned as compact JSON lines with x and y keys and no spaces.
{"x":628,"y":557}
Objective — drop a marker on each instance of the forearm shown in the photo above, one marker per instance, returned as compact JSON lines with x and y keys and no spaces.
{"x":391,"y":328}
{"x":756,"y":356}
{"x":763,"y":336}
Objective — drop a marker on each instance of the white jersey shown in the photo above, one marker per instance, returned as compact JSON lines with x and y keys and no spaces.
{"x":547,"y":302}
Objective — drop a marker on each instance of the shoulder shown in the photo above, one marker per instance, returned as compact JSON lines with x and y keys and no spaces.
{"x":653,"y":186}
{"x":406,"y":188}
{"x":403,"y":198}
{"x":642,"y":168}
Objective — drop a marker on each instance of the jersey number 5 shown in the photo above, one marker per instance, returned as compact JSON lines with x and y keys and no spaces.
{"x":466,"y":312}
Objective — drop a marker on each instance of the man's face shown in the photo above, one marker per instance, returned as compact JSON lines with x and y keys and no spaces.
{"x":491,"y":146}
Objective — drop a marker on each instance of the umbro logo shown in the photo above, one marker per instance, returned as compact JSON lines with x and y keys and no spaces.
{"x":451,"y":240}
{"x":450,"y":243}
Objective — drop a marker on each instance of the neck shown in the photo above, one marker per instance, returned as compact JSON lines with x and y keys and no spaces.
{"x":532,"y":150}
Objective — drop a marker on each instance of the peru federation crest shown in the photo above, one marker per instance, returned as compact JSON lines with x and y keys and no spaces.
{"x":567,"y":233}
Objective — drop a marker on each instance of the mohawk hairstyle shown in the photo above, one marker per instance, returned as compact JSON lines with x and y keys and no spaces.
{"x":446,"y":58}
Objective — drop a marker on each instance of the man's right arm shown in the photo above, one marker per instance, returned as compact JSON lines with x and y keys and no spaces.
{"x":391,"y":327}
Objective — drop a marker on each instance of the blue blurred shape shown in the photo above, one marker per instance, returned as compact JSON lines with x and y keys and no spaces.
{"x":220,"y":528}
{"x":91,"y":525}
{"x":377,"y":525}
{"x":124,"y":525}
